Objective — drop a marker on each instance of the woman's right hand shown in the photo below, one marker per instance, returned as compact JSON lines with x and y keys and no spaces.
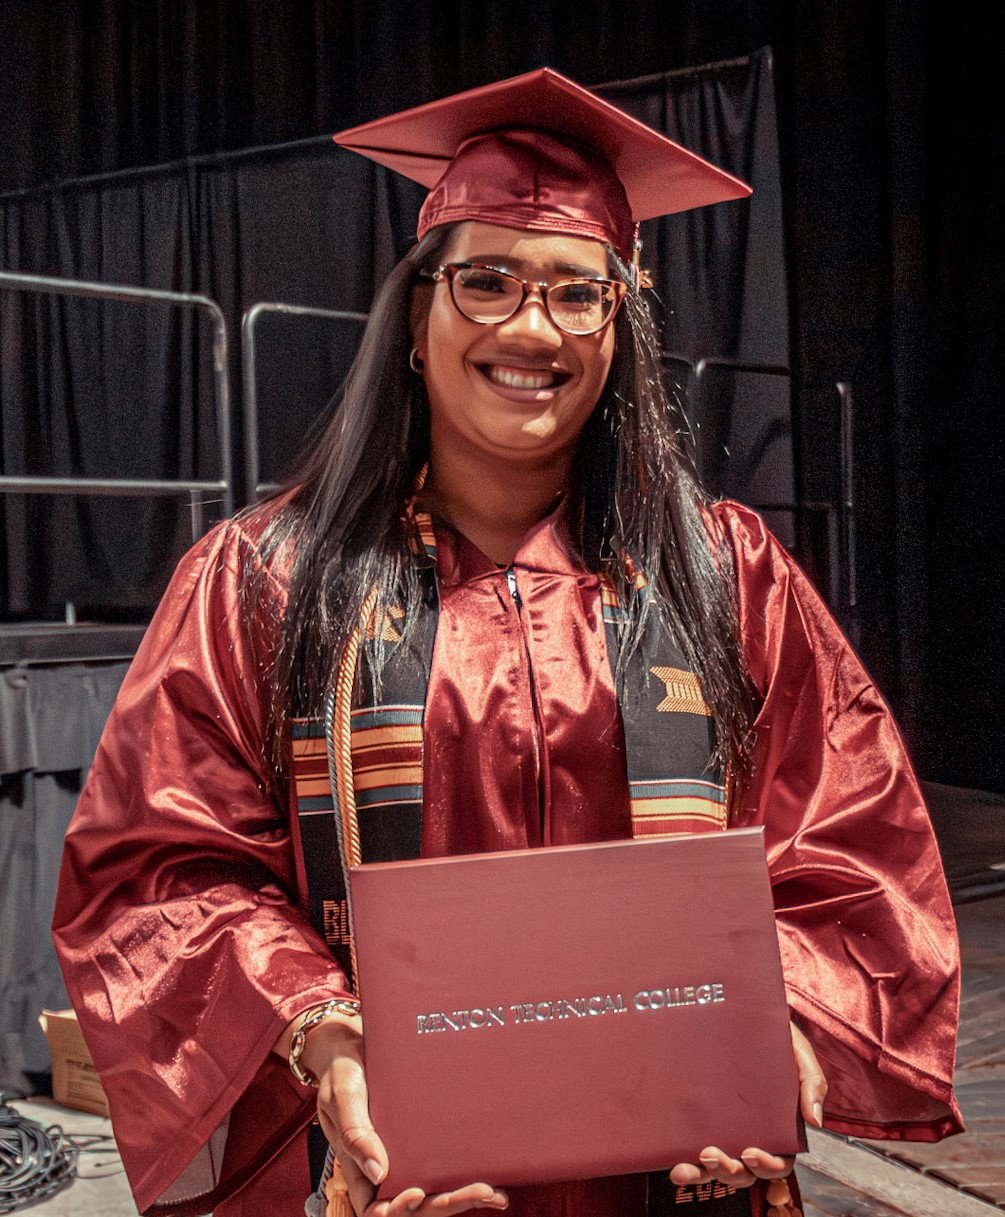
{"x":333,"y":1053}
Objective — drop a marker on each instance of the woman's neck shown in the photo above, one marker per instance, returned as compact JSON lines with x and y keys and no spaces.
{"x":494,"y":508}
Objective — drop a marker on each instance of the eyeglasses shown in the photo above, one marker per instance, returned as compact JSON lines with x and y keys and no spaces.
{"x":489,"y":296}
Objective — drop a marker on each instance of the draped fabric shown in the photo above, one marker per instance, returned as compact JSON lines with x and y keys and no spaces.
{"x":97,"y":389}
{"x":112,"y":85}
{"x":50,"y":720}
{"x":733,"y":305}
{"x":102,"y":390}
{"x":717,"y":305}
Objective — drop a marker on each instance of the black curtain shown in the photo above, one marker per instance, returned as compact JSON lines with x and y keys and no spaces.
{"x":889,"y":132}
{"x":100,"y":85}
{"x":98,"y":390}
{"x":891,"y":138}
{"x":721,"y":285}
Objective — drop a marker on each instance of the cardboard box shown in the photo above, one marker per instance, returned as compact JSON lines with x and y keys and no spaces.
{"x":75,"y":1081}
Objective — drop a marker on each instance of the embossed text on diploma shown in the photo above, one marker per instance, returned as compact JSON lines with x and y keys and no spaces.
{"x":528,"y":1013}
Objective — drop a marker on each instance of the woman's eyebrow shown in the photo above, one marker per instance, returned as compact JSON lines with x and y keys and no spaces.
{"x":505,"y":262}
{"x":583,"y":272}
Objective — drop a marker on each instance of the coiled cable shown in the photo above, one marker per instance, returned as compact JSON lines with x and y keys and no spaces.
{"x":35,"y":1162}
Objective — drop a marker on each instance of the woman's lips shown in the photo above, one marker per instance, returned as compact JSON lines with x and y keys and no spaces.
{"x":526,"y":383}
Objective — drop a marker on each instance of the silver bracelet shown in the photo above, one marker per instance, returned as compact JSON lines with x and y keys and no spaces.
{"x":308,"y":1021}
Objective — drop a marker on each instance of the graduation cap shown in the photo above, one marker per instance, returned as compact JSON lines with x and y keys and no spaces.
{"x":539,"y":151}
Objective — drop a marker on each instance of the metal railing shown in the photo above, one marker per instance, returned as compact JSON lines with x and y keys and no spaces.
{"x":847,"y":477}
{"x":249,"y":381}
{"x":839,"y":516}
{"x":130,"y":487}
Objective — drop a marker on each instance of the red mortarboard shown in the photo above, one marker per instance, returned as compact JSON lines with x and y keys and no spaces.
{"x":539,"y":151}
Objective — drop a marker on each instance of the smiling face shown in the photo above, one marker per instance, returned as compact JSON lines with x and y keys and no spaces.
{"x":521,"y":390}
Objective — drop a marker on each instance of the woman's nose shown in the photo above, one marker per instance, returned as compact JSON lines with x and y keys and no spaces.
{"x":531,"y":321}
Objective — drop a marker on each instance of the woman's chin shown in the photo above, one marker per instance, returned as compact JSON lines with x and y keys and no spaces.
{"x":539,"y":430}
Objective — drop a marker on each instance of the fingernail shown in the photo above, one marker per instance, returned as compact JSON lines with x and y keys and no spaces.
{"x":749,"y":1159}
{"x":708,"y":1161}
{"x":413,"y":1206}
{"x":372,"y":1170}
{"x":818,"y":1114}
{"x":499,"y":1200}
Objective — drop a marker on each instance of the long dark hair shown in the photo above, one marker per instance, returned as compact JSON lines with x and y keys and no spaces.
{"x":634,"y":493}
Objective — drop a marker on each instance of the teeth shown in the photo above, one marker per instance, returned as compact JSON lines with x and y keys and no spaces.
{"x":511,"y":378}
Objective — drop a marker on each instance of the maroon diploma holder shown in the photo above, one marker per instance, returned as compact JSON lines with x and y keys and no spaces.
{"x":542,"y":1015}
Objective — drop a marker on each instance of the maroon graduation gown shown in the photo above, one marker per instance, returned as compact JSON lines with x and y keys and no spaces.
{"x":180,"y":920}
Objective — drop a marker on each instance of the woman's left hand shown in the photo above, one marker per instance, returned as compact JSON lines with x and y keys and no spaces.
{"x":754,"y":1164}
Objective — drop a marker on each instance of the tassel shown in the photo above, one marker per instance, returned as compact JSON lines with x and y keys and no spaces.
{"x":780,"y":1202}
{"x":639,"y":278}
{"x":337,"y":1195}
{"x":634,"y":265}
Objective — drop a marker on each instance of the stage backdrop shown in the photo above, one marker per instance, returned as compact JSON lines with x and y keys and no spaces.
{"x":118,"y":390}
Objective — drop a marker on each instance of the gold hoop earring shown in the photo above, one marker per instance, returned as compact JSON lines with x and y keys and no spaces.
{"x":414,"y":362}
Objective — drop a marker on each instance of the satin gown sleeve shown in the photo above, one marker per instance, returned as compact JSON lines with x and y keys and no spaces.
{"x":178,"y":921}
{"x":867,"y":933}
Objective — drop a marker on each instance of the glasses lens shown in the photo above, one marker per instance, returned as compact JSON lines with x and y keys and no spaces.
{"x":486,"y":295}
{"x":581,"y":306}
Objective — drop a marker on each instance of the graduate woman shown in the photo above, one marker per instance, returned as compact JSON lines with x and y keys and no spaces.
{"x":474,"y":600}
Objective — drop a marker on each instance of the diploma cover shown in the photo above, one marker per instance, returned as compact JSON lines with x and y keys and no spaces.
{"x":533,"y":1016}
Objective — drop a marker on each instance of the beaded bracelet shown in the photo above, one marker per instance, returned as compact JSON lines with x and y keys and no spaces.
{"x":308,"y":1021}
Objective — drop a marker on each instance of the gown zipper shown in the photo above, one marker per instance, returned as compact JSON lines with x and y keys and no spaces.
{"x":513,"y":589}
{"x":514,"y":592}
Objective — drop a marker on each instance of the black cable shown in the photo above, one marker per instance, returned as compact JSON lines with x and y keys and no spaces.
{"x":35,"y":1162}
{"x":98,"y":1154}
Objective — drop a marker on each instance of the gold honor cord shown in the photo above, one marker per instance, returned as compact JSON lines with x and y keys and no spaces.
{"x":342,"y":733}
{"x":338,"y":733}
